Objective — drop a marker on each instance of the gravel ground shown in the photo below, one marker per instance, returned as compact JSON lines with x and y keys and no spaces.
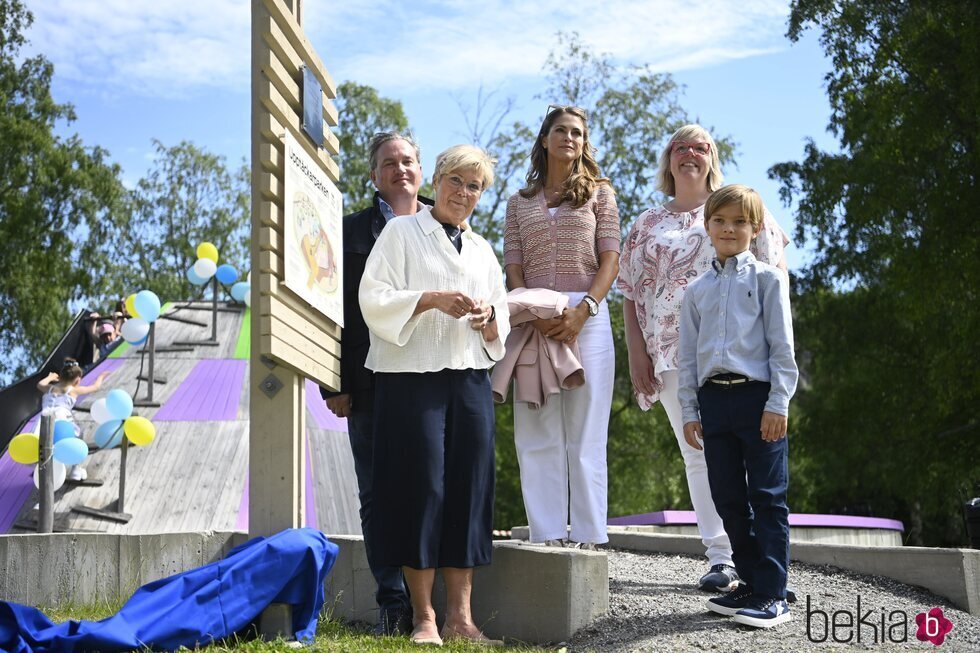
{"x":654,"y":606}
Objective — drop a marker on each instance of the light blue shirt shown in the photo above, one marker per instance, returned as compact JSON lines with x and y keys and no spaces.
{"x":736,"y":319}
{"x":386,"y":210}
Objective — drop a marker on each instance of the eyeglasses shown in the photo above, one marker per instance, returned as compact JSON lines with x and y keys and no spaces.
{"x":702,"y":148}
{"x":473,"y":189}
{"x":565,"y":107}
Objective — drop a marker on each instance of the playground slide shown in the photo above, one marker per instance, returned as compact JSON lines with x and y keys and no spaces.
{"x":20,"y":400}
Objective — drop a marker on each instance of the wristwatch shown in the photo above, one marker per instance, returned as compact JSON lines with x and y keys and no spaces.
{"x":593,"y":305}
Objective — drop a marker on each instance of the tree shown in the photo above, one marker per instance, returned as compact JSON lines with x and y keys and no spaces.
{"x":188,"y":196}
{"x":361,"y":114}
{"x":890,"y":221}
{"x":57,"y":198}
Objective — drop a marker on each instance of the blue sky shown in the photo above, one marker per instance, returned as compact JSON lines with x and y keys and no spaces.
{"x":179,"y":69}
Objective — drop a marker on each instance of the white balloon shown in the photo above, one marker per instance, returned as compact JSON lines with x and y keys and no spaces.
{"x":248,"y":297}
{"x":205,"y":268}
{"x":60,"y":472}
{"x":134,"y":329}
{"x":248,"y":277}
{"x":99,"y":412}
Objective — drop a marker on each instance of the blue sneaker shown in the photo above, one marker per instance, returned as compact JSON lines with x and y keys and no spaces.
{"x":729,"y":604}
{"x":763,"y":612}
{"x":720,"y":578}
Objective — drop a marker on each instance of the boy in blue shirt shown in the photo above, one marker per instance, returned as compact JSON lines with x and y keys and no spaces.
{"x":737,"y":374}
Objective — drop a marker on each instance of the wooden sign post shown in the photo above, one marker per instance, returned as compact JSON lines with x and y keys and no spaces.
{"x":292,"y":338}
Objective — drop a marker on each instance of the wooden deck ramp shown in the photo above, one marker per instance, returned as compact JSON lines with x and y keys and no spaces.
{"x":194,"y":475}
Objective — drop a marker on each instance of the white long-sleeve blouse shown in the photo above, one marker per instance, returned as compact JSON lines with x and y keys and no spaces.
{"x":412,"y":256}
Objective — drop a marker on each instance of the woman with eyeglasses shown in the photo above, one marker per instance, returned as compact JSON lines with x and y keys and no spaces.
{"x":562,"y":233}
{"x":667,"y":248}
{"x":433,"y":298}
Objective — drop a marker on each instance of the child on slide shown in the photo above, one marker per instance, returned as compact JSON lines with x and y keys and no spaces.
{"x":61,"y":391}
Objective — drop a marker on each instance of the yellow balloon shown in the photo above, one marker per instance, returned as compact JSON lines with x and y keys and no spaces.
{"x":24,"y":448}
{"x":131,"y":306}
{"x":207,"y":250}
{"x":139,"y":430}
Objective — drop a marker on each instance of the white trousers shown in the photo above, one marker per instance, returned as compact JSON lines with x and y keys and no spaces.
{"x":561,"y":447}
{"x":719,"y":549}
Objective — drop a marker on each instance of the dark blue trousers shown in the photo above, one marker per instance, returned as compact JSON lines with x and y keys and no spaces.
{"x":748,"y":478}
{"x":391,"y":595}
{"x":433,"y":469}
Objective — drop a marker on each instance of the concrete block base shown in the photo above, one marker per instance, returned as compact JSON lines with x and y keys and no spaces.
{"x":91,"y":568}
{"x":276,"y":621}
{"x":529,"y":593}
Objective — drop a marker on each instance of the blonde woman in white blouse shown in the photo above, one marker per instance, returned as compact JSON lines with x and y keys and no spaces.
{"x":433,"y":298}
{"x":668,"y":248}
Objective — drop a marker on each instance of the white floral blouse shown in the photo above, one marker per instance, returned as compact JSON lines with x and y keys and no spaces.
{"x":665,"y":251}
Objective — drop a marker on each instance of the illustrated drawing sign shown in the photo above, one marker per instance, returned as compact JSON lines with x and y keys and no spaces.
{"x":312,"y":233}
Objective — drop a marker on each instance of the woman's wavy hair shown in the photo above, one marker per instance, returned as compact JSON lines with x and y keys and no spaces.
{"x":578,"y":188}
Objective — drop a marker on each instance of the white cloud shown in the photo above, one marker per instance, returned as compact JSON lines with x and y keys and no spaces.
{"x":157,"y":49}
{"x":170,"y":47}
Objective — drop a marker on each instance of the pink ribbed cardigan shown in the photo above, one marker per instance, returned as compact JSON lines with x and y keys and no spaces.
{"x":561,"y":252}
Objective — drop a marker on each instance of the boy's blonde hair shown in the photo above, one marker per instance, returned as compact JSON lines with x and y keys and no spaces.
{"x":747,"y":198}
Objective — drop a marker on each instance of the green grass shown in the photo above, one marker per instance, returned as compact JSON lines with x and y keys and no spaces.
{"x":331,"y":636}
{"x":242,"y":347}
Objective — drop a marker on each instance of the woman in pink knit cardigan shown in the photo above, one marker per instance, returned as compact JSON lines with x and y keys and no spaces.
{"x":562,"y":233}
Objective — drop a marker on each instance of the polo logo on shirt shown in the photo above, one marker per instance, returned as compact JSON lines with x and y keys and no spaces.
{"x":750,"y":293}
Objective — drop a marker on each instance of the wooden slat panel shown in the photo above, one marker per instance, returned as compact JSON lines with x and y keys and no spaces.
{"x":302,"y":46}
{"x":270,"y":129}
{"x":270,"y":239}
{"x":287,"y":115}
{"x":275,"y":323}
{"x":283,"y":331}
{"x":271,"y":158}
{"x":292,"y":62}
{"x":270,"y":215}
{"x":289,"y":85}
{"x":275,"y":302}
{"x":299,"y":362}
{"x":271,"y":262}
{"x":270,"y":186}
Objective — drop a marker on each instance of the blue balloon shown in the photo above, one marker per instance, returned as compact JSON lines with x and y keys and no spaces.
{"x":119,"y":404}
{"x":147,"y":305}
{"x":193,"y":277}
{"x":63,"y":429}
{"x":239,"y":290}
{"x":70,"y":451}
{"x":109,"y":434}
{"x":226,"y":274}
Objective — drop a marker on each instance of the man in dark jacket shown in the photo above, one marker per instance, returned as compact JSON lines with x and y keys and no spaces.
{"x":397,"y":174}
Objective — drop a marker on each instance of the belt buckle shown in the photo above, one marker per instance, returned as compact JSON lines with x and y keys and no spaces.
{"x":728,"y":383}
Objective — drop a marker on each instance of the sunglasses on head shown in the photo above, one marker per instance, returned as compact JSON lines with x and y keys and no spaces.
{"x":565,"y":107}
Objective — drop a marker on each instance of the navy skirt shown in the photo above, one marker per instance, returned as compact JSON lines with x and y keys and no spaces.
{"x":433,"y":469}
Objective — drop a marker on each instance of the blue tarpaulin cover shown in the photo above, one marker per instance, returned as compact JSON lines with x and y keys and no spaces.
{"x":195,"y":607}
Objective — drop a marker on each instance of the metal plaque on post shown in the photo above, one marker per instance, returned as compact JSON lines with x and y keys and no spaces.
{"x":312,"y":107}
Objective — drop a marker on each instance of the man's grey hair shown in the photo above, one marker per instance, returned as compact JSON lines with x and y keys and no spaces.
{"x":381,"y":138}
